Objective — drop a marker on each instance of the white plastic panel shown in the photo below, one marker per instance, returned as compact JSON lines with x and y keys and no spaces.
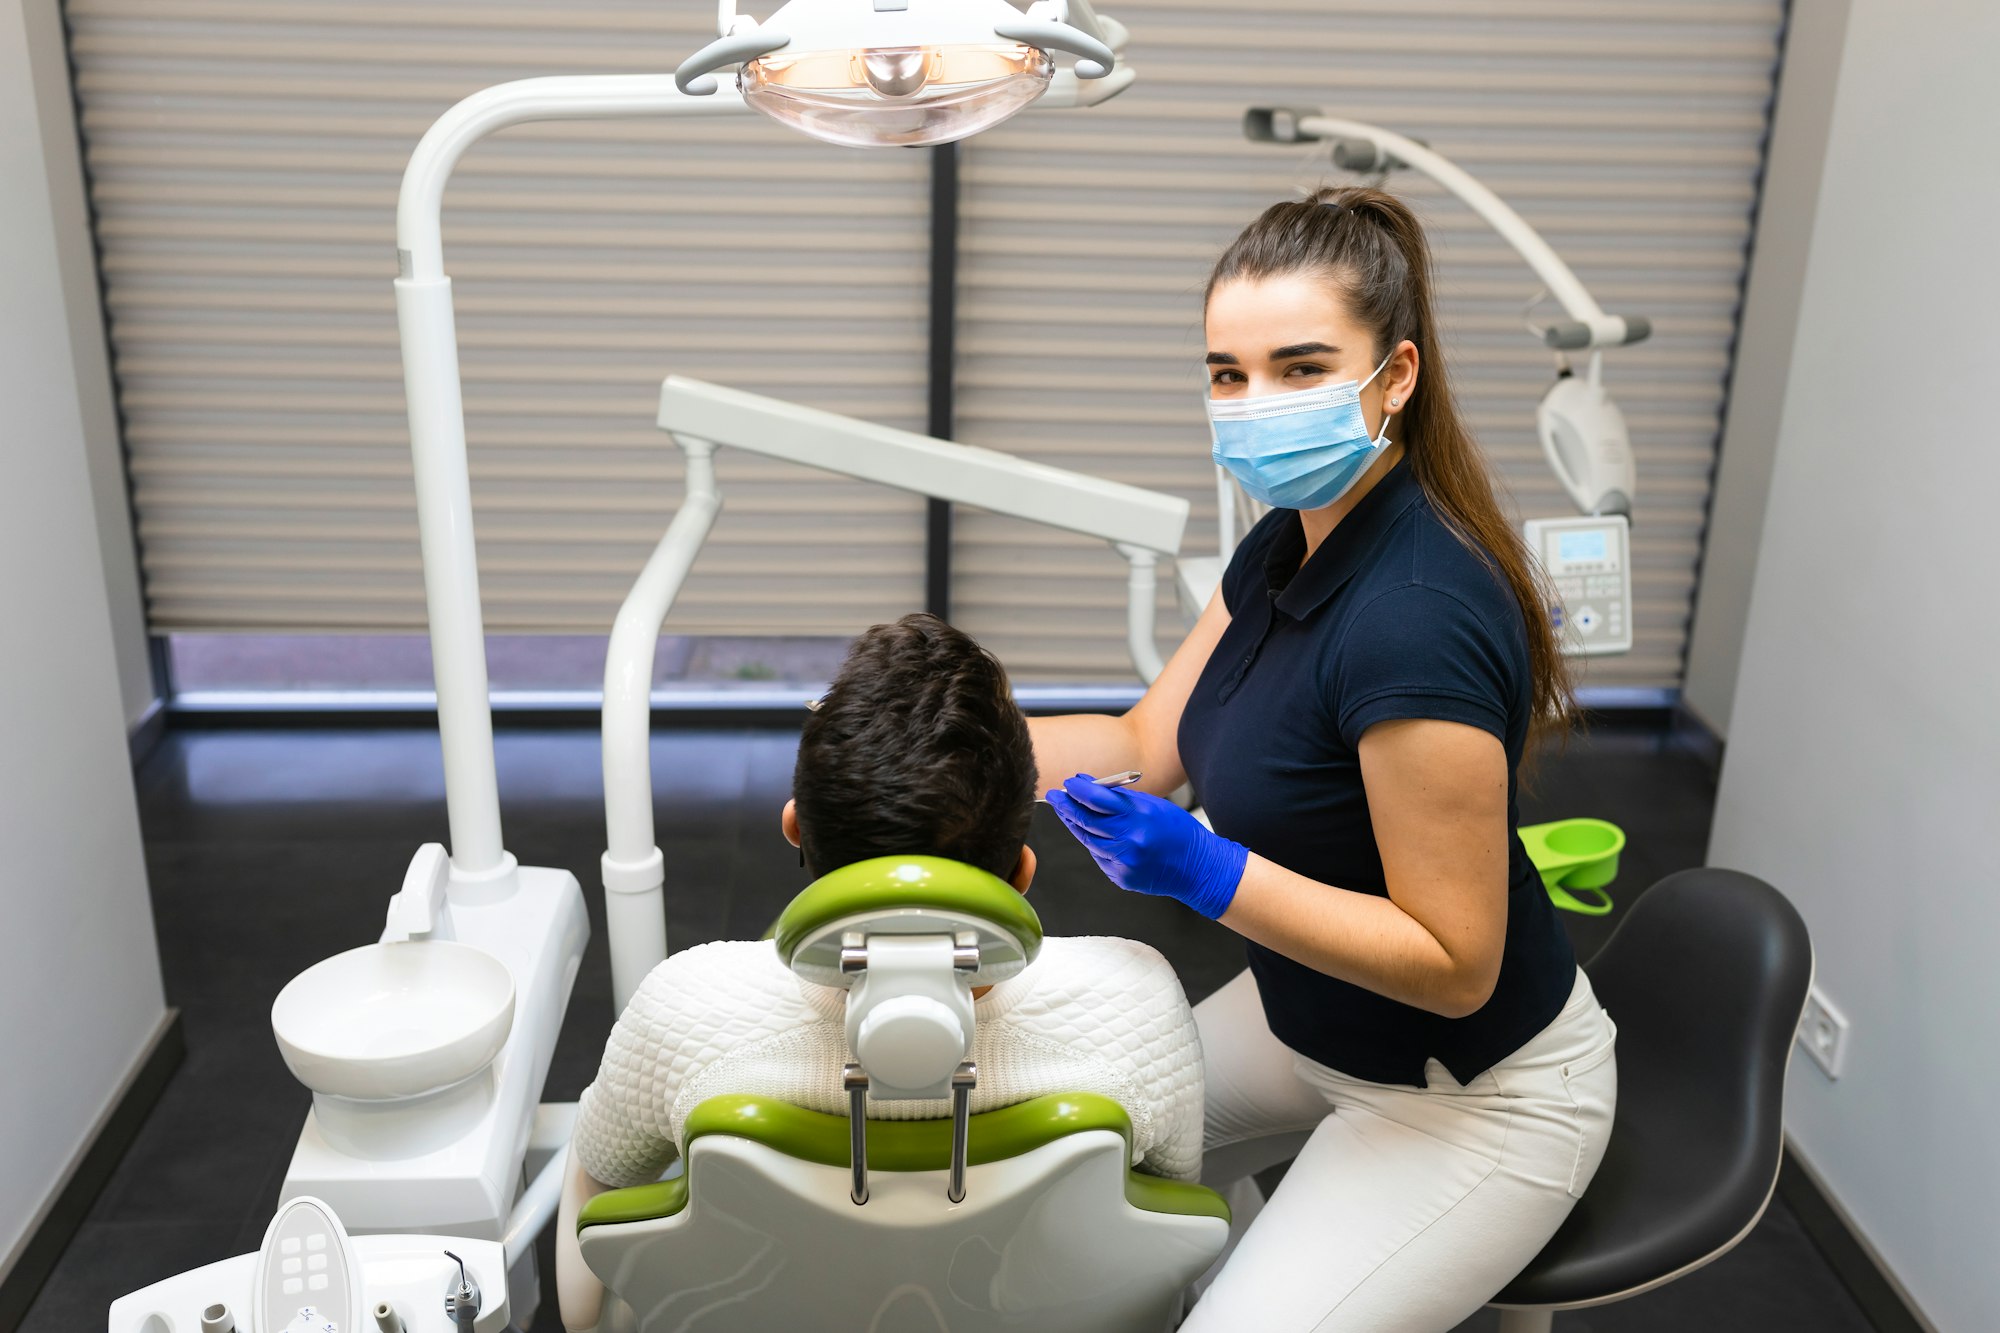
{"x":1044,"y":1241}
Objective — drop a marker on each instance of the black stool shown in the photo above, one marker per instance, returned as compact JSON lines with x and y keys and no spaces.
{"x":1706,"y":978}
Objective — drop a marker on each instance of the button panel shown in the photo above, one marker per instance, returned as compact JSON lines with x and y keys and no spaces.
{"x":1593,"y":595}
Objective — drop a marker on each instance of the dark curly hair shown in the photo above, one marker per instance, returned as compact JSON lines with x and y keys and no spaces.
{"x":917,"y":748}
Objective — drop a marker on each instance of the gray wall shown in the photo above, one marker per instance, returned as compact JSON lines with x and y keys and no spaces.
{"x":53,"y":114}
{"x":1788,"y":201}
{"x":79,"y":972}
{"x":1863,"y":768}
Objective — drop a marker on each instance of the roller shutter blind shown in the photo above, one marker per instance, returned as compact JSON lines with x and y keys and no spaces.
{"x":1628,"y":132}
{"x":245,"y":156}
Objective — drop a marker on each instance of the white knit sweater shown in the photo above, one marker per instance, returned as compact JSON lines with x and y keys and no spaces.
{"x":1091,"y":1014}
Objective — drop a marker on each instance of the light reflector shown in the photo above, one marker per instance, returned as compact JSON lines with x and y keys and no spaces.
{"x":907,"y":96}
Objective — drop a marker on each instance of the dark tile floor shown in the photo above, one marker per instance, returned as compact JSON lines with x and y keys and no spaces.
{"x":269,"y":850}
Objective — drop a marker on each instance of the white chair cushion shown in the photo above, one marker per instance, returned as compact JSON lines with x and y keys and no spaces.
{"x":1091,"y":1014}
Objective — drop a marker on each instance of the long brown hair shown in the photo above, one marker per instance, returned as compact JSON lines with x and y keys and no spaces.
{"x":1371,"y":247}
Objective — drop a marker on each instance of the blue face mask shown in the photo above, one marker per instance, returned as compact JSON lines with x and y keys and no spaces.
{"x":1300,"y":450}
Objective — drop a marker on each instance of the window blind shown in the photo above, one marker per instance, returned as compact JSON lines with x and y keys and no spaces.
{"x":245,"y":157}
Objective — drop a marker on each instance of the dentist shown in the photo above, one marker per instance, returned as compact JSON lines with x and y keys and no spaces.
{"x":1353,"y":708}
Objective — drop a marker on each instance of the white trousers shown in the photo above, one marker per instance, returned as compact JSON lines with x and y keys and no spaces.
{"x":1407,"y":1208}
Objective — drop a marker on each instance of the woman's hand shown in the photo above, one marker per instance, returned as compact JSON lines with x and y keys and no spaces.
{"x":1150,"y":845}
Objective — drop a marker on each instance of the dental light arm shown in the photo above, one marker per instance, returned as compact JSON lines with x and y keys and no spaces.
{"x":1369,"y":148}
{"x":437,"y":423}
{"x":1143,"y":525}
{"x":431,"y":382}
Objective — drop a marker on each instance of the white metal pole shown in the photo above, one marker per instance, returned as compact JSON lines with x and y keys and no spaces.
{"x":451,"y":574}
{"x":1142,"y":589}
{"x":437,"y":421}
{"x":1225,"y":513}
{"x":633,"y":866}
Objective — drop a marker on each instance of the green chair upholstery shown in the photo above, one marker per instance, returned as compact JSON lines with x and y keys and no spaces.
{"x":907,"y":894}
{"x":904,"y":1145}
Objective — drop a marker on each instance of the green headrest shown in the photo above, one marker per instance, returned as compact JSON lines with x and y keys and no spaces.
{"x":908,"y":895}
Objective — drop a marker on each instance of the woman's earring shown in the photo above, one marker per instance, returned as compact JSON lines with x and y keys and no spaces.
{"x":1395,"y":402}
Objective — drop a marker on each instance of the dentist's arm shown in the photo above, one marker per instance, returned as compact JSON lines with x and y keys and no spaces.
{"x":1437,"y":795}
{"x":1146,"y":738}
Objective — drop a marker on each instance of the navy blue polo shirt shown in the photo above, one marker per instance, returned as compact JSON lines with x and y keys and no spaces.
{"x":1393,"y":617}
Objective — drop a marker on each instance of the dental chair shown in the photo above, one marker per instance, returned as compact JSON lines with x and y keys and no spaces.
{"x":1025,"y":1217}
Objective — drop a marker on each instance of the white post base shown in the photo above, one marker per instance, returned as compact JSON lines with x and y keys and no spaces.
{"x":1526,"y":1321}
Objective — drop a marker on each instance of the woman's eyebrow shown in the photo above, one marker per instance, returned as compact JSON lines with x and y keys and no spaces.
{"x":1288,"y":352}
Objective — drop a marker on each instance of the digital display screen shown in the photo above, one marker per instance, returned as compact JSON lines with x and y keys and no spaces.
{"x":1575,"y":547}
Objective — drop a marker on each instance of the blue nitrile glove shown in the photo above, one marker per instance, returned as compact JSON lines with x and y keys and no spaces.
{"x":1150,"y":845}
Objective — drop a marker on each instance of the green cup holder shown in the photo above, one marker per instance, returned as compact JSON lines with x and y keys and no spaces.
{"x":1576,"y":854}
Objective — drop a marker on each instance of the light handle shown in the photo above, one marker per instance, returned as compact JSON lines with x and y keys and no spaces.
{"x":1093,"y":58}
{"x":696,"y":75}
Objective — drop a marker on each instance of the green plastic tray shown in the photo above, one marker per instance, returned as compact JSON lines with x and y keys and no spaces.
{"x":1576,"y":854}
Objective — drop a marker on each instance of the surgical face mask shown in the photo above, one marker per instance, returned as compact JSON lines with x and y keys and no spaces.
{"x":1299,"y":450}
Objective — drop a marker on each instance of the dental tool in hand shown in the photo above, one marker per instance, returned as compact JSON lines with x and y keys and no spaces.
{"x":1125,"y":779}
{"x":1148,"y":844}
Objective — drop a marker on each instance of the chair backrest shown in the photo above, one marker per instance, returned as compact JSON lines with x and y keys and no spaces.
{"x":1055,"y":1232}
{"x":1706,"y":978}
{"x":1025,"y":1215}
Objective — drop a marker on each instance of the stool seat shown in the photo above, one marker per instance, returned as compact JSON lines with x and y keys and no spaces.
{"x":1706,"y":979}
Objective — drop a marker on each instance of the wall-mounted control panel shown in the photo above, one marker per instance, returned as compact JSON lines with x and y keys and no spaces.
{"x":1589,"y":563}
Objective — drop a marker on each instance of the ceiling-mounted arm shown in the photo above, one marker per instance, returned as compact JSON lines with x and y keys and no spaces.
{"x":1363,"y":147}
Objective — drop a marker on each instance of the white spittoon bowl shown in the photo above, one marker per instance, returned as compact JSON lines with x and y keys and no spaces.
{"x":390,"y":1021}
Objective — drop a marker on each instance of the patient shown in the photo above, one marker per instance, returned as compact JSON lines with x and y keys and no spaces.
{"x":918,"y":748}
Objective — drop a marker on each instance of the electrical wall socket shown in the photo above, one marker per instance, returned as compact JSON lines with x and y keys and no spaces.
{"x":1823,"y":1032}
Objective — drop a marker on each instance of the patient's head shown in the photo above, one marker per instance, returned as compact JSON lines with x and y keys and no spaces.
{"x":918,"y":748}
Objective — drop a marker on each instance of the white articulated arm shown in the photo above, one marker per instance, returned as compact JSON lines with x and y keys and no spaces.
{"x":437,"y":423}
{"x":634,"y":868}
{"x":561,"y":97}
{"x":961,"y":473}
{"x":1143,"y":525}
{"x":1142,"y":585}
{"x":1589,"y":326}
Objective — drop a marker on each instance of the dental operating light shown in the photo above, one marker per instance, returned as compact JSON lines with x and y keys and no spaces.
{"x":875,"y":73}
